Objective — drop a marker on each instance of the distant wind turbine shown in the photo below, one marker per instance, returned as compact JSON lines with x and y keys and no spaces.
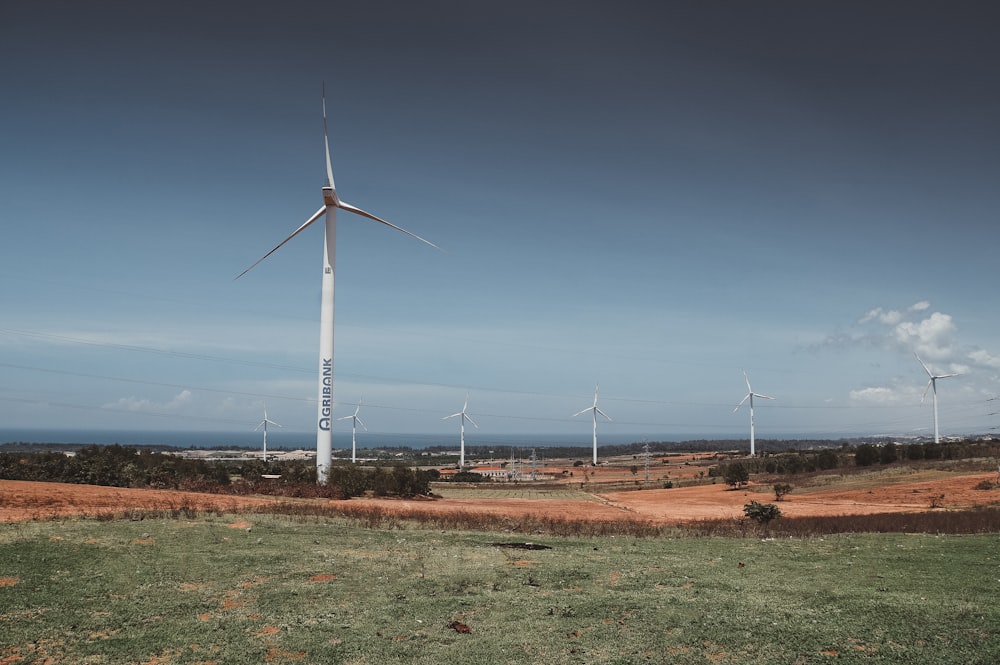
{"x":331,"y":203}
{"x":750,"y":395}
{"x":595,"y":409}
{"x":932,"y":386}
{"x":263,"y":425}
{"x":354,"y":431}
{"x":464,"y":416}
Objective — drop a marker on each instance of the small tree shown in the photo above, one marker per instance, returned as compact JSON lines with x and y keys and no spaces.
{"x":866,"y":454}
{"x":736,"y":475}
{"x":887,"y":454}
{"x":780,"y":490}
{"x":761,"y":512}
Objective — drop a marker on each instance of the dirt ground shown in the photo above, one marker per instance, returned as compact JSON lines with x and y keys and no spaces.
{"x":24,"y":500}
{"x":20,"y":500}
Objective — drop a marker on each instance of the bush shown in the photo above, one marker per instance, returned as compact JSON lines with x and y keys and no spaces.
{"x":468,"y":477}
{"x":761,"y":512}
{"x":780,"y":490}
{"x":866,"y":455}
{"x":736,"y":475}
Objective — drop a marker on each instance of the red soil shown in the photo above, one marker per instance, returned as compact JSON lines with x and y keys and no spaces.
{"x":21,"y":500}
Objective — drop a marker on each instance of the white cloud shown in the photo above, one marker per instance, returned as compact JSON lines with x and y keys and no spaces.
{"x":877,"y":395}
{"x":981,"y":357}
{"x":136,"y":404}
{"x":931,"y":337}
{"x":920,"y":306}
{"x":888,"y":317}
{"x":132,"y":403}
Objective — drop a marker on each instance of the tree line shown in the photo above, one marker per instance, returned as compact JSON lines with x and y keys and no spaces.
{"x":865,"y":454}
{"x":124,"y":466}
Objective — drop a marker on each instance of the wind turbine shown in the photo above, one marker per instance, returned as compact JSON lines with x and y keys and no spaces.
{"x":932,"y":386}
{"x":331,"y":203}
{"x":595,"y":409}
{"x":263,"y":425}
{"x":354,"y":431}
{"x":464,"y":416}
{"x":750,"y":395}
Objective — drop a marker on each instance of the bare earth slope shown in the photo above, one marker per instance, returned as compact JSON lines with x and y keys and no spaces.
{"x":20,"y":500}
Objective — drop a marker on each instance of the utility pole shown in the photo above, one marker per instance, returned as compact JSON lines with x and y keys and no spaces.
{"x":645,"y":449}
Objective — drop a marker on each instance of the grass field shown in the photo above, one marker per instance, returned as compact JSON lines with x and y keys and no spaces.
{"x":307,"y":590}
{"x":512,"y":492}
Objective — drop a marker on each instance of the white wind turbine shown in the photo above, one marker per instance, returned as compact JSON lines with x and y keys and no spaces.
{"x":464,"y":416}
{"x":750,"y":395}
{"x":595,"y":409}
{"x":331,"y":203}
{"x":932,"y":386}
{"x":263,"y":425}
{"x":354,"y":431}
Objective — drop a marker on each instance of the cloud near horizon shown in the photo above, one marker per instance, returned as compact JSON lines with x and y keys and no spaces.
{"x":135,"y":404}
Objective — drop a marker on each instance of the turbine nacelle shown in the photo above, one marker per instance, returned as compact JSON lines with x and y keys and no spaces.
{"x":330,"y":197}
{"x":931,"y":379}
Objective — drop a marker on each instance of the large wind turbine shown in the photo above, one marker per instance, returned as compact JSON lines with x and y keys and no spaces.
{"x":354,"y":431}
{"x":464,"y":416}
{"x":263,"y":425}
{"x":750,"y":395}
{"x":331,"y":202}
{"x":932,"y":386}
{"x":595,"y":411}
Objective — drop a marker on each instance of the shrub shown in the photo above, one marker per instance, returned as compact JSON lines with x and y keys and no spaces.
{"x":780,"y":490}
{"x":736,"y":475}
{"x":761,"y":512}
{"x":468,"y":477}
{"x":866,"y":455}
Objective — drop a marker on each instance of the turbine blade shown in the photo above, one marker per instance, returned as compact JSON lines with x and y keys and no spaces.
{"x":923,"y":365}
{"x":603,"y":414}
{"x":326,"y":142}
{"x":319,"y":213}
{"x":344,"y":417}
{"x":747,"y":379}
{"x":358,"y":420}
{"x":469,"y":418}
{"x":589,"y":408}
{"x":763,"y":396}
{"x":946,"y":376}
{"x":741,"y":402}
{"x":924,"y":396}
{"x":358,"y":211}
{"x":454,"y":415}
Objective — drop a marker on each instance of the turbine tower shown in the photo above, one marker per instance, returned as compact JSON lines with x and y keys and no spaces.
{"x":750,"y":395}
{"x":464,"y":416}
{"x":595,"y":411}
{"x":331,"y":203}
{"x":932,"y":386}
{"x":263,"y":425}
{"x":354,"y":432}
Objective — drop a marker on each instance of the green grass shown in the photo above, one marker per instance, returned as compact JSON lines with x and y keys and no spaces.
{"x":512,"y":492}
{"x":197,"y":591}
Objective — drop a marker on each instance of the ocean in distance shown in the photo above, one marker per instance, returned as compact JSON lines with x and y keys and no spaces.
{"x":277,"y":439}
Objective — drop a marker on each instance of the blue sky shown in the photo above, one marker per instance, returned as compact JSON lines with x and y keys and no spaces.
{"x":648,"y":196}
